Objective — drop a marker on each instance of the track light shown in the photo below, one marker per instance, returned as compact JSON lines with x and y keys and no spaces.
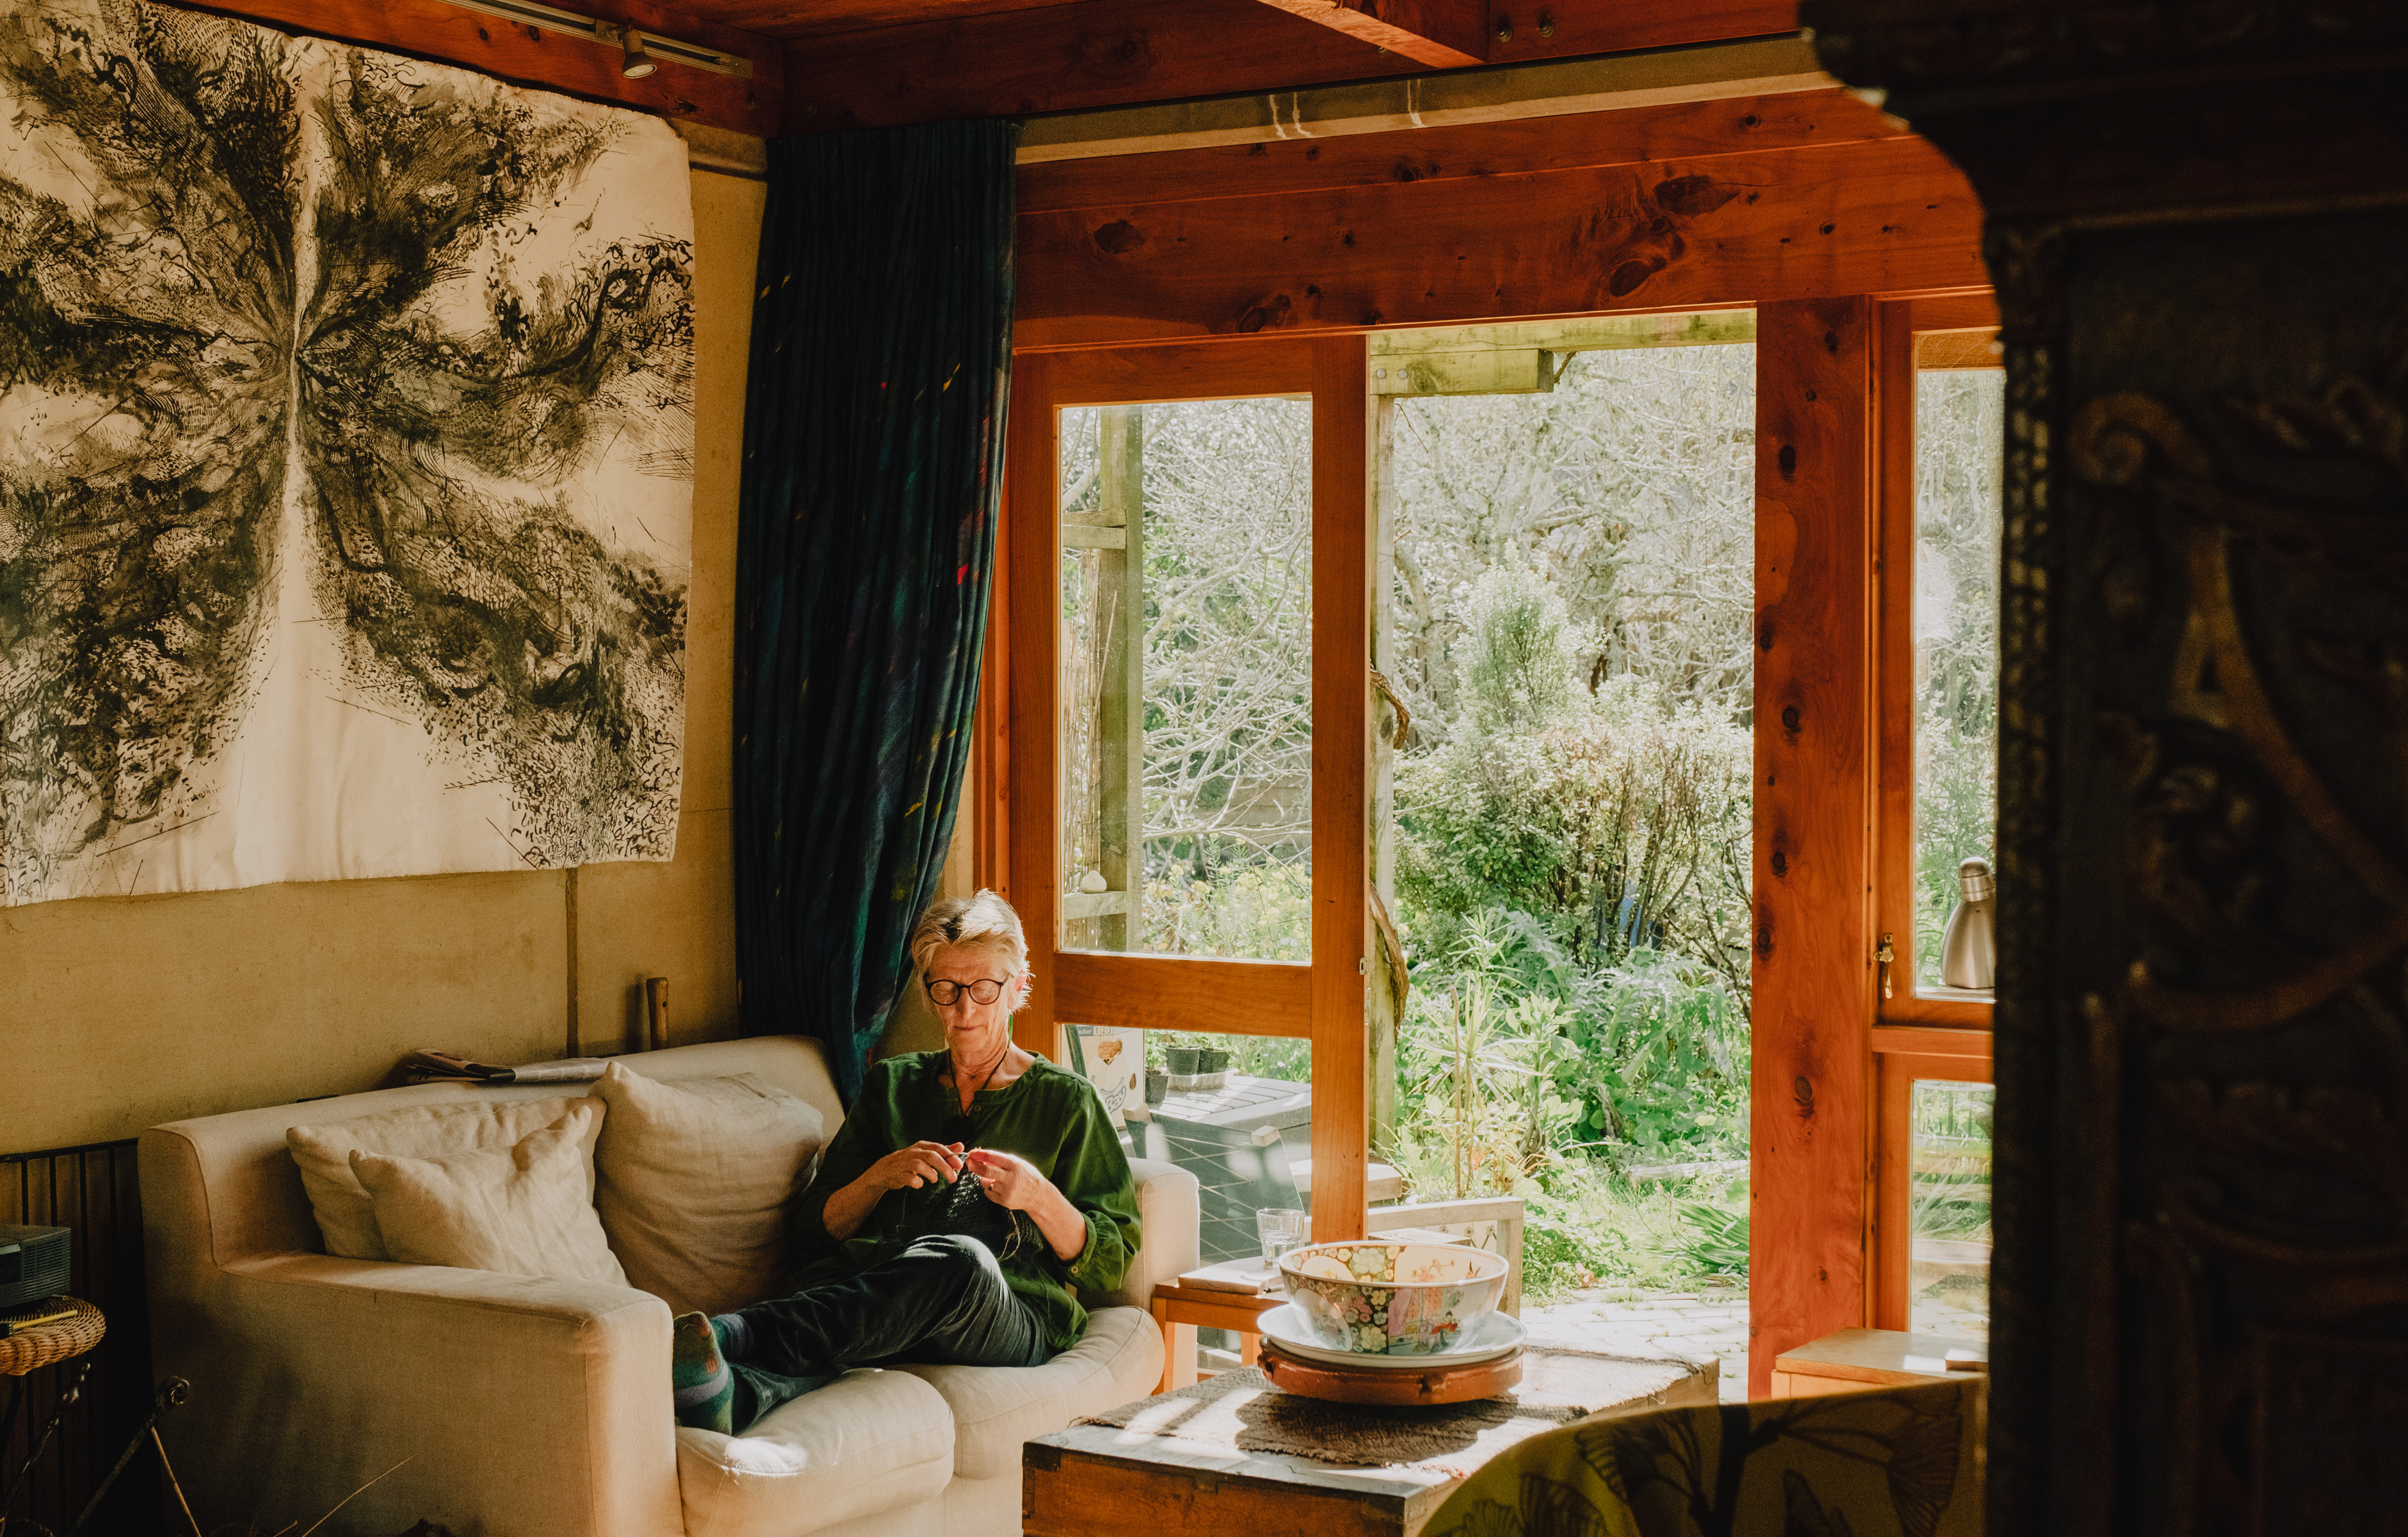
{"x":634,"y":62}
{"x":638,"y":55}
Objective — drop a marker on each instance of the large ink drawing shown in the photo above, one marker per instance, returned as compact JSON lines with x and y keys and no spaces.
{"x":346,"y":425}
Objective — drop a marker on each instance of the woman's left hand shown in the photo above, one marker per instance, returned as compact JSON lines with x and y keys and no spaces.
{"x":1010,"y":1180}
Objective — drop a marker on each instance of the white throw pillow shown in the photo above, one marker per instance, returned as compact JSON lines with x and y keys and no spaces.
{"x":322,"y":1153}
{"x":522,"y":1211}
{"x":693,"y":1180}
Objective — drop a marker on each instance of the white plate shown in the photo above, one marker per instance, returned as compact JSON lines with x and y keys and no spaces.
{"x":1495,"y":1335}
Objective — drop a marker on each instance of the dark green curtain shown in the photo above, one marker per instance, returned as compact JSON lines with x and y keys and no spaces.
{"x":873,"y":450}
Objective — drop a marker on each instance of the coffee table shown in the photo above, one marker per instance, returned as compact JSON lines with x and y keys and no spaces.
{"x":1234,"y":1455}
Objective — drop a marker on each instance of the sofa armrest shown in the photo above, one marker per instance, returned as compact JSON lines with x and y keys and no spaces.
{"x":1168,"y":1223}
{"x":529,"y":1407}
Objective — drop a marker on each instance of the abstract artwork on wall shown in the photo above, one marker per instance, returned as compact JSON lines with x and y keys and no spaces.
{"x":346,"y":443}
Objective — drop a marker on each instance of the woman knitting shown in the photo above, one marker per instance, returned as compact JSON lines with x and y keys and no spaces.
{"x":967,"y":1195}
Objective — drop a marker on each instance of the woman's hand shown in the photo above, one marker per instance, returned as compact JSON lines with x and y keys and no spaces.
{"x":922,"y":1163}
{"x":1012,"y":1181}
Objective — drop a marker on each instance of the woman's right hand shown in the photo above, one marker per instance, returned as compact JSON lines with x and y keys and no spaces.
{"x":922,"y":1163}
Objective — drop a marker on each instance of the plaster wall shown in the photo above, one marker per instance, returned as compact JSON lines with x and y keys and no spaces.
{"x":124,"y":1012}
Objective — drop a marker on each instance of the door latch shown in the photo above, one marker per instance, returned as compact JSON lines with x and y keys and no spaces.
{"x":1885,"y":955}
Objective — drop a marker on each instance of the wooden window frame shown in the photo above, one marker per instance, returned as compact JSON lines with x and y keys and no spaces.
{"x":1917,"y":1032}
{"x":1016,"y":848}
{"x":1898,"y":324}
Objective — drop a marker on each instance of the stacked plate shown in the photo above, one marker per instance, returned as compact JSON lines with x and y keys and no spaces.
{"x":1496,"y":1336}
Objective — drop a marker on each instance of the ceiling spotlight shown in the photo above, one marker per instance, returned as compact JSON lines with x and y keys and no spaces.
{"x":636,"y":63}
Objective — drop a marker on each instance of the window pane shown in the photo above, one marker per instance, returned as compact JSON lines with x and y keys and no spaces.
{"x":1948,"y":1195}
{"x":1235,"y":1111}
{"x":1186,"y":678}
{"x":1959,"y":436}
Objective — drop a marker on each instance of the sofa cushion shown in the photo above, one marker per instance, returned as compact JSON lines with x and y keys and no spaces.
{"x":695,"y":1180}
{"x":520,"y":1211}
{"x":322,"y":1153}
{"x":995,"y":1408}
{"x":869,"y":1442}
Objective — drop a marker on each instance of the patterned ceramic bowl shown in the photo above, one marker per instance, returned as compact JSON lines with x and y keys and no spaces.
{"x":1392,"y":1299}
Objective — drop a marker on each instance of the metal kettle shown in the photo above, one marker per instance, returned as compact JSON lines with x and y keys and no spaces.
{"x":1969,"y":954}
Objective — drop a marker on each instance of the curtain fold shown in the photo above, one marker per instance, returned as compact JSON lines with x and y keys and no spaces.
{"x":873,"y":449}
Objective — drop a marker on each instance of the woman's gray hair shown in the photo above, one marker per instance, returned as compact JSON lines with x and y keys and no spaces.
{"x":985,"y":921}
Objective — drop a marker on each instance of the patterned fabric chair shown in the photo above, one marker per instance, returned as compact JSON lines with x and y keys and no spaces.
{"x":1891,"y":1462}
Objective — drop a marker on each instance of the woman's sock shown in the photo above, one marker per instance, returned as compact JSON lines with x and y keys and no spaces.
{"x":705,"y":1388}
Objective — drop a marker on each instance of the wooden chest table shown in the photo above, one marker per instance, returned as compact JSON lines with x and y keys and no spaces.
{"x":1243,"y":1471}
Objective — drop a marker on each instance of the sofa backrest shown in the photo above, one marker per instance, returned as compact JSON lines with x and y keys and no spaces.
{"x":232,"y":1176}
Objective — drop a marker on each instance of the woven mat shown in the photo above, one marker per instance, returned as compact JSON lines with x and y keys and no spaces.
{"x":1239,"y":1410}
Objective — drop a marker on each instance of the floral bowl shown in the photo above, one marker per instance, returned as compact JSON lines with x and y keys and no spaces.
{"x":1378,"y":1298}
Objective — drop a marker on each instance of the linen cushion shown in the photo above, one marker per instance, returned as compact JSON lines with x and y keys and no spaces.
{"x":693,"y":1180}
{"x":322,"y":1153}
{"x":866,"y":1443}
{"x":995,"y":1408}
{"x":520,"y":1211}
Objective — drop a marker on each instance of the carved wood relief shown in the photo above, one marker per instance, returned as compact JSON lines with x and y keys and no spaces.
{"x":2199,"y":233}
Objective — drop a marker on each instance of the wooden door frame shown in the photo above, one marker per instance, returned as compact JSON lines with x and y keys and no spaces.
{"x":1016,"y":847}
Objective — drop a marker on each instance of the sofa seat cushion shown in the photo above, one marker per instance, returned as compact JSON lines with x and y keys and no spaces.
{"x":869,"y":1442}
{"x":995,"y":1408}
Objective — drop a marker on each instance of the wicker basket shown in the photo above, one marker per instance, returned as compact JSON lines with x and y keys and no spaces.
{"x":58,"y":1342}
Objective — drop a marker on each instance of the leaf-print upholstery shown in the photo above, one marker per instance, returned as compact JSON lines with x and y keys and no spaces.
{"x":1888,"y":1462}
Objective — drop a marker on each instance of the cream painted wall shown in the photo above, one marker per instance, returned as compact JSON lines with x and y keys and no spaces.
{"x":124,"y":1012}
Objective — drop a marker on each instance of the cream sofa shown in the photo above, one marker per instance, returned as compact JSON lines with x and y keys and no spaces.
{"x":529,"y":1408}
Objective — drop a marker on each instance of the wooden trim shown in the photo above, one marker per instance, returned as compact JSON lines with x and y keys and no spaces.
{"x":1095,"y":53}
{"x":1924,"y":1041}
{"x":1813,"y":970}
{"x":1441,"y":34}
{"x":1184,"y":992}
{"x":1893,"y":1242}
{"x":1259,"y":367}
{"x":1758,"y":68}
{"x":524,"y":55}
{"x":1434,"y":155}
{"x":1898,"y":326}
{"x":1885,"y":215}
{"x":1341,"y":761}
{"x":1031,"y":581}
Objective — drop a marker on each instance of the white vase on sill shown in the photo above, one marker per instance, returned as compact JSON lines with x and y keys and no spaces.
{"x":1969,"y":953}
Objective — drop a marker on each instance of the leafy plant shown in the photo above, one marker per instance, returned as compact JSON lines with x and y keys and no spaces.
{"x":1715,"y":1238}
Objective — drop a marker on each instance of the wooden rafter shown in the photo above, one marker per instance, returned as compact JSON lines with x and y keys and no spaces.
{"x":1441,"y":34}
{"x":530,"y":55}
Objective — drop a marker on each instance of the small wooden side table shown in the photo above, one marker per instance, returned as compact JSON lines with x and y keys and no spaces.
{"x":1855,"y":1359}
{"x":1181,"y":1310}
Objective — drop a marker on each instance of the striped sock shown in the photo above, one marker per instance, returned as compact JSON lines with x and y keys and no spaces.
{"x":704,"y":1386}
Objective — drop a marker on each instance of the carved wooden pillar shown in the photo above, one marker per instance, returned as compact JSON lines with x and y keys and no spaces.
{"x":2196,"y":226}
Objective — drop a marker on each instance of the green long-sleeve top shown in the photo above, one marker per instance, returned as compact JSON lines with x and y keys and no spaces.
{"x":1047,"y":1115}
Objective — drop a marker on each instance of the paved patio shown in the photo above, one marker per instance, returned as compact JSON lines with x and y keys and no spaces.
{"x":1711,"y":1322}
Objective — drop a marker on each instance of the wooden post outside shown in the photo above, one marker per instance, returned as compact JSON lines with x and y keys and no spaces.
{"x":1813,"y":979}
{"x":1120,"y":618}
{"x":1342,"y":746}
{"x":1381,"y":1015}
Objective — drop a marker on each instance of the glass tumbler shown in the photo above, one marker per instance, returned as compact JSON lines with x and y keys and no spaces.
{"x":1281,"y":1229}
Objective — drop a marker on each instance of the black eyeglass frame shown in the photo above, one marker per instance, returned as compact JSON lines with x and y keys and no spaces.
{"x":999,"y":983}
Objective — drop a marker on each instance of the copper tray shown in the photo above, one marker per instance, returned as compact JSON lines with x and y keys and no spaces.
{"x":1386,"y":1386}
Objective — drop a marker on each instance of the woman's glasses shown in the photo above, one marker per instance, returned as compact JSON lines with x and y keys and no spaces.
{"x":944,"y":995}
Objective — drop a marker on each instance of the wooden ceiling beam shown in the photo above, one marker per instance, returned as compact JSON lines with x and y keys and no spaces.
{"x":1886,"y":216}
{"x":1096,"y":53}
{"x":553,"y":61}
{"x":1441,"y":34}
{"x":1691,"y":130}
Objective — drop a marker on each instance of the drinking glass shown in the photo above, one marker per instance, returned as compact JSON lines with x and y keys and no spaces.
{"x":1281,"y":1229}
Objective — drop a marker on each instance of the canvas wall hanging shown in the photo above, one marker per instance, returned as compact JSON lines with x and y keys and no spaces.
{"x":346,"y":429}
